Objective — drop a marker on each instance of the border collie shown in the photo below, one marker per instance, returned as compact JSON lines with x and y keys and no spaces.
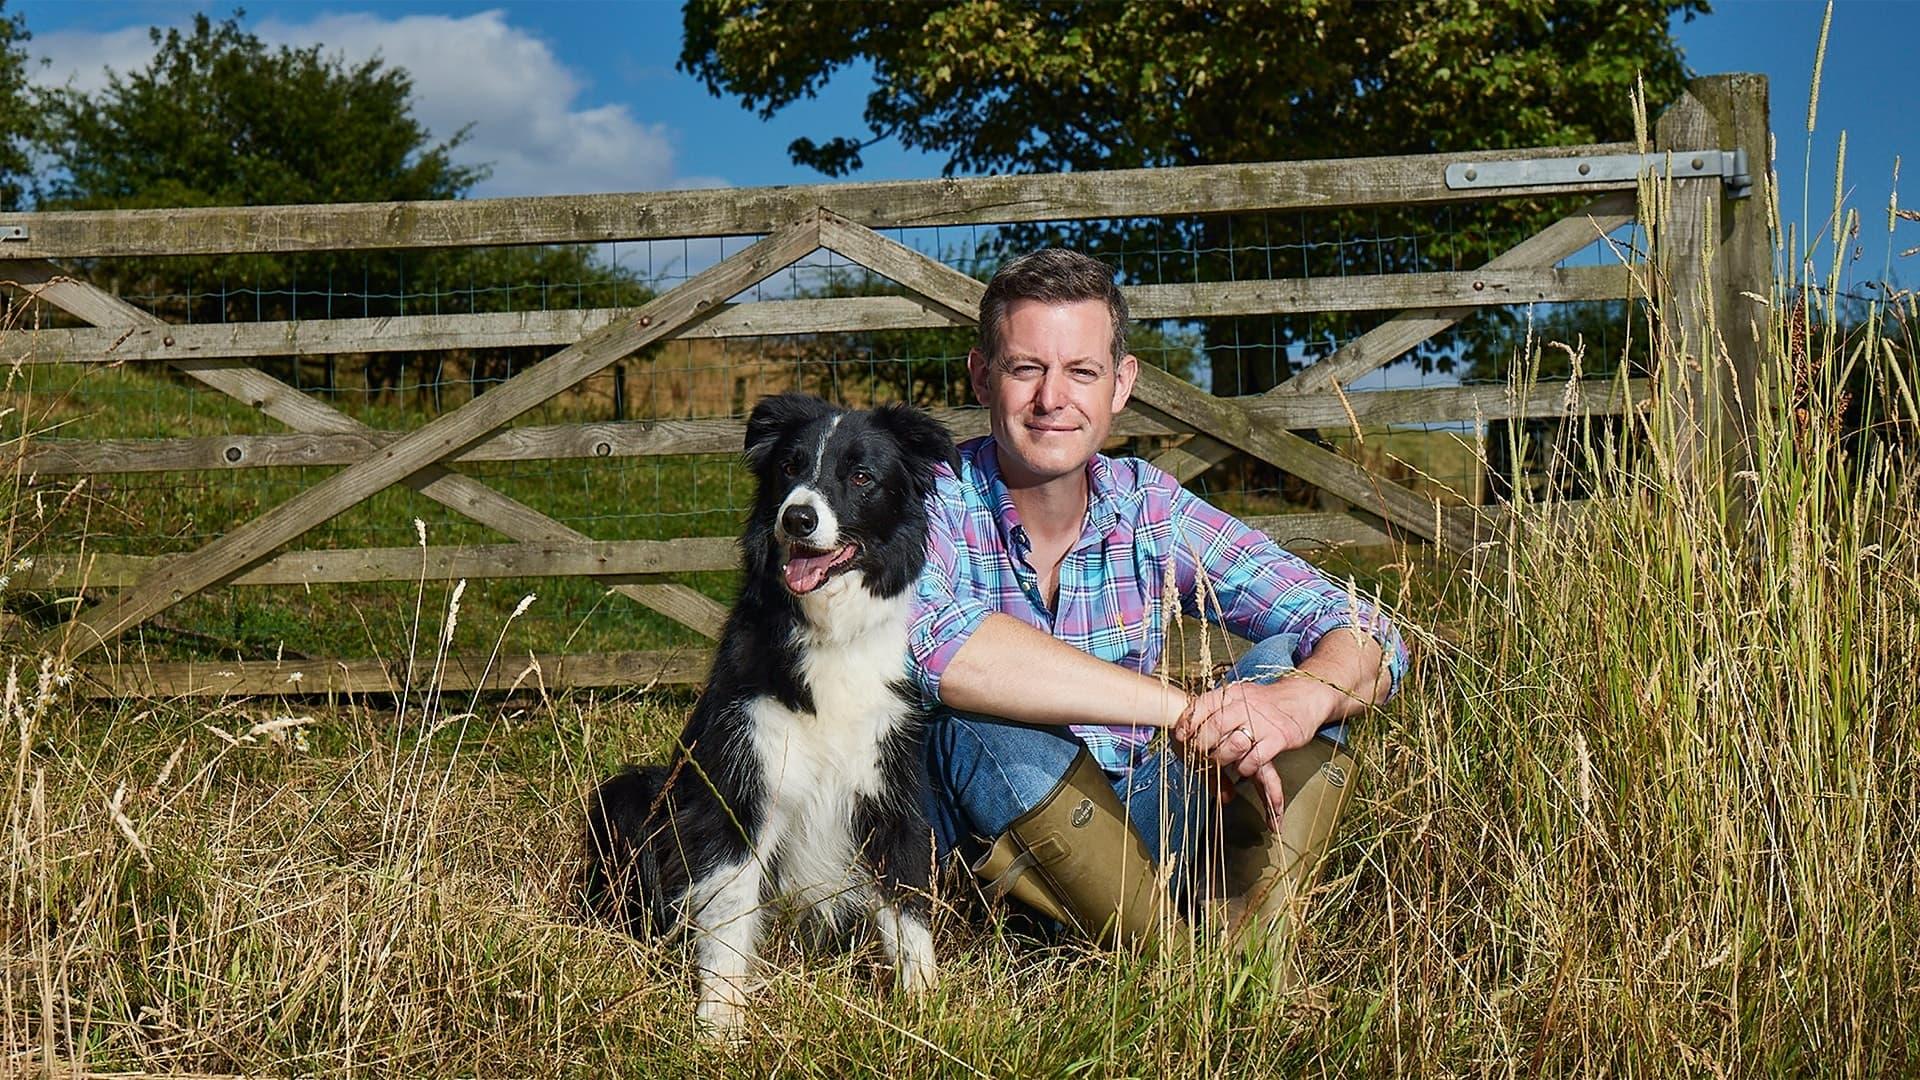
{"x":798,"y":773}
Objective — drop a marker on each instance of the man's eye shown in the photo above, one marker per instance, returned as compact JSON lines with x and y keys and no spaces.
{"x":1085,"y":374}
{"x":1026,"y":371}
{"x":861,"y":478}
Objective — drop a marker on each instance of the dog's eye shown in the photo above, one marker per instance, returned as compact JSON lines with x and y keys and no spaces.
{"x":791,"y":466}
{"x":861,"y":478}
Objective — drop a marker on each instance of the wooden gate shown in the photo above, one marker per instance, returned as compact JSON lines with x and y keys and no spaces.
{"x":1723,"y":113}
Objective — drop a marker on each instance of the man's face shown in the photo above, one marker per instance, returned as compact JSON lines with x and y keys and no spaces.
{"x":1053,"y":392}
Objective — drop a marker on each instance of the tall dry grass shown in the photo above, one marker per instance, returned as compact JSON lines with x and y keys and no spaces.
{"x":1648,"y":806}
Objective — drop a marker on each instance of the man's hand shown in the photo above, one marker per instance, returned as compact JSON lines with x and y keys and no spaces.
{"x":1243,"y":726}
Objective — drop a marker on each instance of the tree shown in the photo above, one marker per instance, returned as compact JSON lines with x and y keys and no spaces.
{"x":1033,"y":86}
{"x":16,"y":116}
{"x":220,"y":118}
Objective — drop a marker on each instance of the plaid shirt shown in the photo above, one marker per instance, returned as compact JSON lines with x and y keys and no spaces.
{"x":1113,"y":577}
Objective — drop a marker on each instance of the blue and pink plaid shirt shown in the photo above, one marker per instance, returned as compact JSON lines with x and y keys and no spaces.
{"x":1112,"y":579}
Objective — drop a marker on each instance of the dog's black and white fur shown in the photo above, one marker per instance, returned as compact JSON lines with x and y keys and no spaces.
{"x":797,"y":774}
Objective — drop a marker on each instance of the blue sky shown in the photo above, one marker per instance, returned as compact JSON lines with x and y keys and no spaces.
{"x":583,"y":96}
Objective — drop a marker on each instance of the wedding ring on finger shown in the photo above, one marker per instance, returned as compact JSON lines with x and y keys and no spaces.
{"x":1247,"y":730}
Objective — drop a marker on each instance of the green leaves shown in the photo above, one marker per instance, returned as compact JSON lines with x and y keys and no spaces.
{"x":1039,"y":86}
{"x":219,"y":117}
{"x":16,"y":115}
{"x":1029,"y":85}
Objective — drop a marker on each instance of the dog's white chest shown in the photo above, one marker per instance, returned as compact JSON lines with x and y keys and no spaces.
{"x":817,"y":765}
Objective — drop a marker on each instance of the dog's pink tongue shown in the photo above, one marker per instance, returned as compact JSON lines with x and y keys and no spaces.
{"x":806,"y":573}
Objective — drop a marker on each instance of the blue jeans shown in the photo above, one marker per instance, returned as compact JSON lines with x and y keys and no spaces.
{"x":984,"y":773}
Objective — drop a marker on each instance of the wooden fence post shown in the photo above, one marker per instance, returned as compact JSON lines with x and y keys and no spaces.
{"x":1715,"y":264}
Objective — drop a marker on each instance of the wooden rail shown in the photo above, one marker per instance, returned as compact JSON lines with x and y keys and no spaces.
{"x":578,"y":219}
{"x":864,"y":314}
{"x":655,"y":438}
{"x":639,"y":669}
{"x":610,"y":562}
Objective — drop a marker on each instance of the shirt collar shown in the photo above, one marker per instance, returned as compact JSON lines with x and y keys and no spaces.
{"x":1102,"y":508}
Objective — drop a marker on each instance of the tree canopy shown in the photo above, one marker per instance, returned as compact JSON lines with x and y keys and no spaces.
{"x":1036,"y":86}
{"x":16,"y":115}
{"x":218,"y":117}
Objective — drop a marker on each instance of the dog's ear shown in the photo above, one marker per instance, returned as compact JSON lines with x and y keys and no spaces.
{"x":776,"y":414}
{"x":927,"y":442}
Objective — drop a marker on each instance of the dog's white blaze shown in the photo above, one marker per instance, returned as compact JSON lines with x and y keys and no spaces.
{"x":827,"y":533}
{"x":820,"y":451}
{"x":726,"y":913}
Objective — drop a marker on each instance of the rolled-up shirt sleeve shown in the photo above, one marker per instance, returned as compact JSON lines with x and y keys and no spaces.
{"x":1234,"y":575}
{"x":946,"y":606}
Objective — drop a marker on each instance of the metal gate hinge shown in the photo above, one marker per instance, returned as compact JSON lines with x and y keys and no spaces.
{"x":13,"y":232}
{"x":1730,"y":166}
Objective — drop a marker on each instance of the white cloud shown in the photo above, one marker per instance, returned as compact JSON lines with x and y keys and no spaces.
{"x":80,"y":58}
{"x":523,"y":104}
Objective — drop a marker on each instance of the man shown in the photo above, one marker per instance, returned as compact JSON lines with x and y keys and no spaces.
{"x":1039,"y":621}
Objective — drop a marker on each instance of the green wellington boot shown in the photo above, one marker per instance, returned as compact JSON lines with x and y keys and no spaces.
{"x":1268,"y":874}
{"x":1074,"y":858}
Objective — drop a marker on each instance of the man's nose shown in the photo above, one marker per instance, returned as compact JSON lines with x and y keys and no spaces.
{"x":1052,"y":394}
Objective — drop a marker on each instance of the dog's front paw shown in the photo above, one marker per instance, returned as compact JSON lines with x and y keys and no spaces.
{"x":909,"y":945}
{"x":722,"y":1011}
{"x":918,"y":977}
{"x":915,"y":971}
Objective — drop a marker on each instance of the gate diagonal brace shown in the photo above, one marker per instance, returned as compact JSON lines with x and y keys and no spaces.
{"x":1391,"y":339}
{"x":958,"y":294}
{"x":227,"y":556}
{"x":302,"y":412}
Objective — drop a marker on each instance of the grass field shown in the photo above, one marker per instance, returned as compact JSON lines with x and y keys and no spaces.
{"x":1646,"y":806}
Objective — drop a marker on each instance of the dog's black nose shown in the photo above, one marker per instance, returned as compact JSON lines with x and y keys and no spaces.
{"x":799,"y":520}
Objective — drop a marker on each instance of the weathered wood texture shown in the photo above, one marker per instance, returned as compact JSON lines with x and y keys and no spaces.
{"x":573,"y":219}
{"x":242,"y":678}
{"x":250,"y":543}
{"x":1391,"y":339}
{"x":795,"y":221}
{"x":1684,"y":225}
{"x":865,"y":314}
{"x":652,"y":438}
{"x":608,"y":561}
{"x":306,"y":413}
{"x":1742,"y":264}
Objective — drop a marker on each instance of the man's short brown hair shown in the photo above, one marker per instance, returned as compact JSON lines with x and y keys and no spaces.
{"x":1051,"y":276}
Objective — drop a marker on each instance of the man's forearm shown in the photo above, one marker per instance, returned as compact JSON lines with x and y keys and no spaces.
{"x":1352,"y":665}
{"x":1009,"y":669}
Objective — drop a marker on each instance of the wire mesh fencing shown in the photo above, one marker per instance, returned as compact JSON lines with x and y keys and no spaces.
{"x":533,"y":300}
